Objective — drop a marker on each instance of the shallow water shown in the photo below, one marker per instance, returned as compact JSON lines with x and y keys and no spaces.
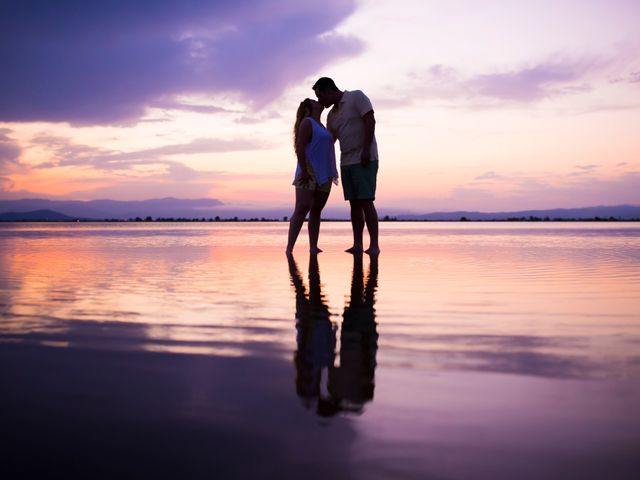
{"x":467,"y":350}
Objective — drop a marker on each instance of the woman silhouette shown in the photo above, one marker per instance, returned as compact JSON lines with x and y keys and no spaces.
{"x":315,"y":171}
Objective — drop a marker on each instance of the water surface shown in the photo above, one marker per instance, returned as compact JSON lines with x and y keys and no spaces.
{"x":466,"y":350}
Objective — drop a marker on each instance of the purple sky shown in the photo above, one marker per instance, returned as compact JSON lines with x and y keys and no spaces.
{"x":480,"y":105}
{"x":95,"y":62}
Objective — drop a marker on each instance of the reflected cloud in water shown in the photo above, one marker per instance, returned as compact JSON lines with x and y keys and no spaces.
{"x":322,"y":385}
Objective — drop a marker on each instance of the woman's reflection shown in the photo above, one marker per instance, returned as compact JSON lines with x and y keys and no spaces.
{"x":316,"y":339}
{"x":319,"y":383}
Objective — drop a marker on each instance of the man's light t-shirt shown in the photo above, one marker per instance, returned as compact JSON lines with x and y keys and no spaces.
{"x":345,"y":123}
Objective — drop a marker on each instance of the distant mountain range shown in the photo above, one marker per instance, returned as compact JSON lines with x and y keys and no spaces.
{"x":115,"y":209}
{"x":36,"y":209}
{"x":36,"y":215}
{"x":619,"y":212}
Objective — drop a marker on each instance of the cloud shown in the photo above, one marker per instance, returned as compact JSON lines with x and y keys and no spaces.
{"x":104,"y":62}
{"x":529,"y":84}
{"x":490,"y":175}
{"x":64,"y":152}
{"x":520,"y":191}
{"x":608,"y":107}
{"x":6,"y":184}
{"x":550,"y":78}
{"x":261,"y":117}
{"x":137,"y":174}
{"x":583,"y":170}
{"x":159,"y":186}
{"x":389,"y":103}
{"x":632,"y":77}
{"x":9,"y":151}
{"x":171,"y":104}
{"x":512,"y":191}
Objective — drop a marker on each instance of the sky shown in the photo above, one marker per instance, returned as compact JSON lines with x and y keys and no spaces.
{"x":480,"y":105}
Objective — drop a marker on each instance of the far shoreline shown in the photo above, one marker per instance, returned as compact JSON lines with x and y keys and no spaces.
{"x":286,"y":220}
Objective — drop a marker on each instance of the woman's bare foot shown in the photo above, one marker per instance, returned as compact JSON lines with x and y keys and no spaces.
{"x":314,"y":250}
{"x":354,"y":249}
{"x":372,"y":250}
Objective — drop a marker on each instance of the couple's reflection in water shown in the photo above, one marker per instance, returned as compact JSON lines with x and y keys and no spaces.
{"x":322,"y":385}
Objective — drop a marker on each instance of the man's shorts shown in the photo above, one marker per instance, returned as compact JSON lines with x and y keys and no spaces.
{"x":358,"y":182}
{"x":312,"y":184}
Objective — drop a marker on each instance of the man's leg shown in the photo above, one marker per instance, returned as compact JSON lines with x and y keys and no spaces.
{"x":371,"y":219}
{"x":357,"y":225}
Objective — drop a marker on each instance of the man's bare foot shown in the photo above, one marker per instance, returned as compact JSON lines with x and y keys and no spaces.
{"x":314,"y":250}
{"x":354,"y":249}
{"x":372,"y":250}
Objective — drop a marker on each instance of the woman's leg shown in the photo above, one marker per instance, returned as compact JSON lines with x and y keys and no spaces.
{"x":317,"y":204}
{"x":303,"y":204}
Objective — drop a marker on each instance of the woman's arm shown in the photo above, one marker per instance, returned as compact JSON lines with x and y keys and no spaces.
{"x":304,"y":137}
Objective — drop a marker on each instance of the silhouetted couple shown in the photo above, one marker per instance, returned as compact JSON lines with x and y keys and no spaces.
{"x":320,"y":384}
{"x":351,"y":121}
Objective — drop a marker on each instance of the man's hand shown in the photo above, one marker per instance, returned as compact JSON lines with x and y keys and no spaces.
{"x":365,"y":157}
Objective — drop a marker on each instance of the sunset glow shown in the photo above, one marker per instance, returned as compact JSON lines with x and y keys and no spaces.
{"x":499,"y":106}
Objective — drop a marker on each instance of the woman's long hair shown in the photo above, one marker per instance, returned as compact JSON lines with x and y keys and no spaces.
{"x":304,"y":110}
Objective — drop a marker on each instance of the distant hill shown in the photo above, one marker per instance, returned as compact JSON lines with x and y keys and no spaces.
{"x":619,"y":212}
{"x":210,"y":208}
{"x":115,"y":209}
{"x":36,"y":215}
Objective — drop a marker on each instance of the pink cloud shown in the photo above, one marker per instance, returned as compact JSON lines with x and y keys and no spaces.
{"x":550,"y":78}
{"x":9,"y":150}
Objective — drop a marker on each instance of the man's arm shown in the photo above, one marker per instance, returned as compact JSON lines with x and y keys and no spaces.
{"x":369,"y":129}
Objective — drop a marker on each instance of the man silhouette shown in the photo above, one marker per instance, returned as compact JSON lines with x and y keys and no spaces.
{"x":352,"y":123}
{"x":353,"y":382}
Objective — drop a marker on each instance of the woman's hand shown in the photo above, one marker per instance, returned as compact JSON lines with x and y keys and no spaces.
{"x":304,"y":177}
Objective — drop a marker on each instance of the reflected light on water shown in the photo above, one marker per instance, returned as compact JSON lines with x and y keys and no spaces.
{"x":466,"y":350}
{"x":449,"y":293}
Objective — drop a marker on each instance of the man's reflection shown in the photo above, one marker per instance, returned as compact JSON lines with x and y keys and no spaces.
{"x":321,"y":385}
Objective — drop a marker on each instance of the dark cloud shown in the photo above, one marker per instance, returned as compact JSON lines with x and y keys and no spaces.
{"x":90,"y":62}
